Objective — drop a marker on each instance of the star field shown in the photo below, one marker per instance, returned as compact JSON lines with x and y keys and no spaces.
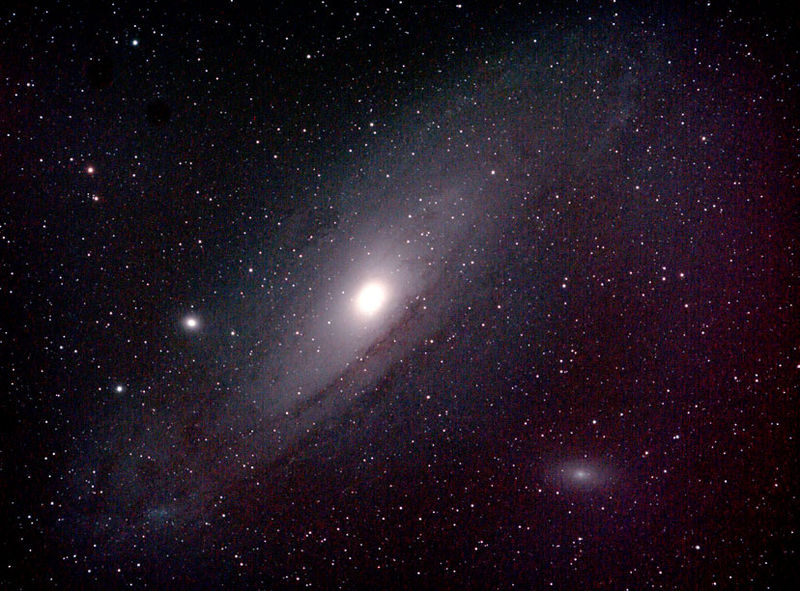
{"x":398,"y":295}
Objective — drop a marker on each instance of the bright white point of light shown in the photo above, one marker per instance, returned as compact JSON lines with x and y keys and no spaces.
{"x":191,"y":323}
{"x":90,"y":170}
{"x":135,"y":42}
{"x":371,"y":298}
{"x":119,"y":389}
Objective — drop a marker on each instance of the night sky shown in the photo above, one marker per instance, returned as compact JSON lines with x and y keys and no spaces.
{"x":393,"y":295}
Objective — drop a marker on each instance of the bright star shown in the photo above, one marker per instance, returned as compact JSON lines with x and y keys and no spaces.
{"x":371,"y":298}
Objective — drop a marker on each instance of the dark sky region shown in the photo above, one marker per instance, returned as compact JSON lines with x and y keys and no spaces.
{"x":398,"y":295}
